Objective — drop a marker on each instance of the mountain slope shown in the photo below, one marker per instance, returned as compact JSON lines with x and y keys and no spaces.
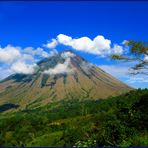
{"x":62,"y":76}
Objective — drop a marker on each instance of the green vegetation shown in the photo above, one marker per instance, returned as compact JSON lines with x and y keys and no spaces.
{"x":115,"y":121}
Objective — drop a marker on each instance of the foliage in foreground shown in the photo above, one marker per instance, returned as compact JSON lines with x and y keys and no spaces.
{"x":116,"y":121}
{"x":138,"y":53}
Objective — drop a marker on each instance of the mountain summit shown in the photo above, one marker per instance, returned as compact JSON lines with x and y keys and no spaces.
{"x":64,"y":75}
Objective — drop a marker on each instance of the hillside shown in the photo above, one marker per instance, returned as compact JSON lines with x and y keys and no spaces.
{"x":59,"y":77}
{"x":115,"y":121}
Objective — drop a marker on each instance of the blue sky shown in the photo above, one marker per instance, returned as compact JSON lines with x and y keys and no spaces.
{"x":32,"y":24}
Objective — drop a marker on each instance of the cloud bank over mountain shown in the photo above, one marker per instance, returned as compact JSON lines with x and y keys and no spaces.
{"x":62,"y":68}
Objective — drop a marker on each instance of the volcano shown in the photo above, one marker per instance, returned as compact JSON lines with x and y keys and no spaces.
{"x":64,"y":75}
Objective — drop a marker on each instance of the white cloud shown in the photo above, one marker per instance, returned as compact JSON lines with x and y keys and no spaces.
{"x":59,"y":68}
{"x":39,"y":51}
{"x":9,"y":54}
{"x":83,"y":44}
{"x":62,"y":68}
{"x":124,"y":42}
{"x":67,"y":54}
{"x":98,"y":46}
{"x":51,"y":44}
{"x":86,"y":67}
{"x":53,"y":52}
{"x":22,"y":67}
{"x":20,"y":60}
{"x":146,"y":58}
{"x":64,"y":39}
{"x":117,"y":49}
{"x":26,"y":57}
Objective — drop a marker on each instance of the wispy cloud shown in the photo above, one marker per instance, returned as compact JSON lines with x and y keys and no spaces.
{"x":138,"y":79}
{"x":118,"y":71}
{"x":39,"y":51}
{"x":62,"y":68}
{"x":5,"y":72}
{"x":86,"y":67}
{"x":51,"y":44}
{"x":121,"y":71}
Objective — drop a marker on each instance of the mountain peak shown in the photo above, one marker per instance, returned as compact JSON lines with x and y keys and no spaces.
{"x":64,"y":75}
{"x":60,"y":62}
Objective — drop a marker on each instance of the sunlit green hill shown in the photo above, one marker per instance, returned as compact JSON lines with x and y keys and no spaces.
{"x":115,"y":121}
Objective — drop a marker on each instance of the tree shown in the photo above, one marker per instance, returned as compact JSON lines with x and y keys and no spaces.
{"x":137,"y":53}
